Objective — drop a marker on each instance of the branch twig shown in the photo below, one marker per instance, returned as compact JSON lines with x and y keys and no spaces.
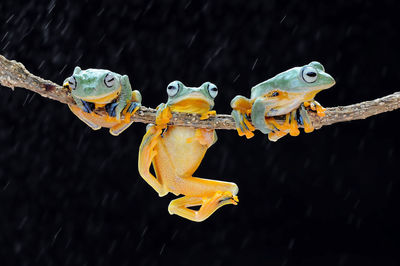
{"x":14,"y":74}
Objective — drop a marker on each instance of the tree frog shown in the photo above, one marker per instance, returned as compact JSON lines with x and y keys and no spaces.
{"x":176,"y":152}
{"x":289,"y":93}
{"x":94,"y":89}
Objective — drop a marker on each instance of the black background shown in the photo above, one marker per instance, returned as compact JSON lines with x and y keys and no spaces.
{"x":73,"y":196}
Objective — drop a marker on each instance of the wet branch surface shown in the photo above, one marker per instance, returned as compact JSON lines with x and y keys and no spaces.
{"x":14,"y":74}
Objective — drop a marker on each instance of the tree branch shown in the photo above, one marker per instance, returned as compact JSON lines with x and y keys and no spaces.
{"x":14,"y":74}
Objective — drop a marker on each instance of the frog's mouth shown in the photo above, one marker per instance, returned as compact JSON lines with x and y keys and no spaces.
{"x":104,"y":98}
{"x":192,"y":103}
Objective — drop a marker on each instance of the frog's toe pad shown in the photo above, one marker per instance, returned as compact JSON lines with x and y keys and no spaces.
{"x":226,"y":198}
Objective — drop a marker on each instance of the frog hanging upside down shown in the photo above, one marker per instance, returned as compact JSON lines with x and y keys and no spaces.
{"x":94,"y":89}
{"x":289,"y":93}
{"x":176,"y":152}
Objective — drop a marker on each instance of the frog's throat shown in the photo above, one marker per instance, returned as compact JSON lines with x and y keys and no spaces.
{"x":194,"y":104}
{"x":103,"y":99}
{"x":310,"y":95}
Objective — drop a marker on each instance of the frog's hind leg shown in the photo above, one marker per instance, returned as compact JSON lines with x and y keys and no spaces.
{"x":209,"y":195}
{"x":82,"y":115}
{"x":119,"y":128}
{"x":277,"y":130}
{"x":146,"y":155}
{"x":241,"y":109}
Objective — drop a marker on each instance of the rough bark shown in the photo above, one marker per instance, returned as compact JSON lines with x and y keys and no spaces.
{"x":14,"y":74}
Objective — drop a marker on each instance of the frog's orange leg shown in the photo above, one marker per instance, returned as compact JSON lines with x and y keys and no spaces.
{"x":241,"y":109}
{"x":316,"y":106}
{"x":119,"y":128}
{"x":208,"y":194}
{"x":82,"y":115}
{"x":274,"y":136}
{"x":208,"y":206}
{"x":130,"y":109}
{"x":146,"y":155}
{"x":289,"y":126}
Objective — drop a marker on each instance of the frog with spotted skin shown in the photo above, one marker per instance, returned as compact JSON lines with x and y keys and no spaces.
{"x":176,"y":152}
{"x":93,"y":89}
{"x":289,"y":93}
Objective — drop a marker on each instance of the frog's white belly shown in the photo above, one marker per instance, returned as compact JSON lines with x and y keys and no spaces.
{"x":176,"y":158}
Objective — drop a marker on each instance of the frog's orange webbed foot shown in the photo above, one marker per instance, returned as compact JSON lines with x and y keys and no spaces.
{"x":208,"y":194}
{"x":208,"y":206}
{"x":206,"y":115}
{"x":289,"y":126}
{"x":163,"y":115}
{"x":315,"y":106}
{"x":84,"y":116}
{"x":146,"y":155}
{"x":241,"y":110}
{"x":277,"y":130}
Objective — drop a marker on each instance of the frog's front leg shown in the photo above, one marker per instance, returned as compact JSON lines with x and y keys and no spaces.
{"x":163,"y":115}
{"x":133,"y":105}
{"x":208,"y":194}
{"x":241,"y":109}
{"x":304,"y":119}
{"x":146,"y":155}
{"x":315,"y":106}
{"x":258,"y":114}
{"x":124,"y":97}
{"x":131,"y":108}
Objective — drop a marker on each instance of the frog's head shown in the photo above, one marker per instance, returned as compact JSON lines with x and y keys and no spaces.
{"x":94,"y":85}
{"x":289,"y":89}
{"x":190,"y":99}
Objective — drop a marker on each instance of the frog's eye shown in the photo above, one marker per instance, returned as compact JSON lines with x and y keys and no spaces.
{"x":274,"y":94}
{"x":173,"y":88}
{"x":72,"y":83}
{"x":212,"y":90}
{"x":309,"y":74}
{"x":109,"y":80}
